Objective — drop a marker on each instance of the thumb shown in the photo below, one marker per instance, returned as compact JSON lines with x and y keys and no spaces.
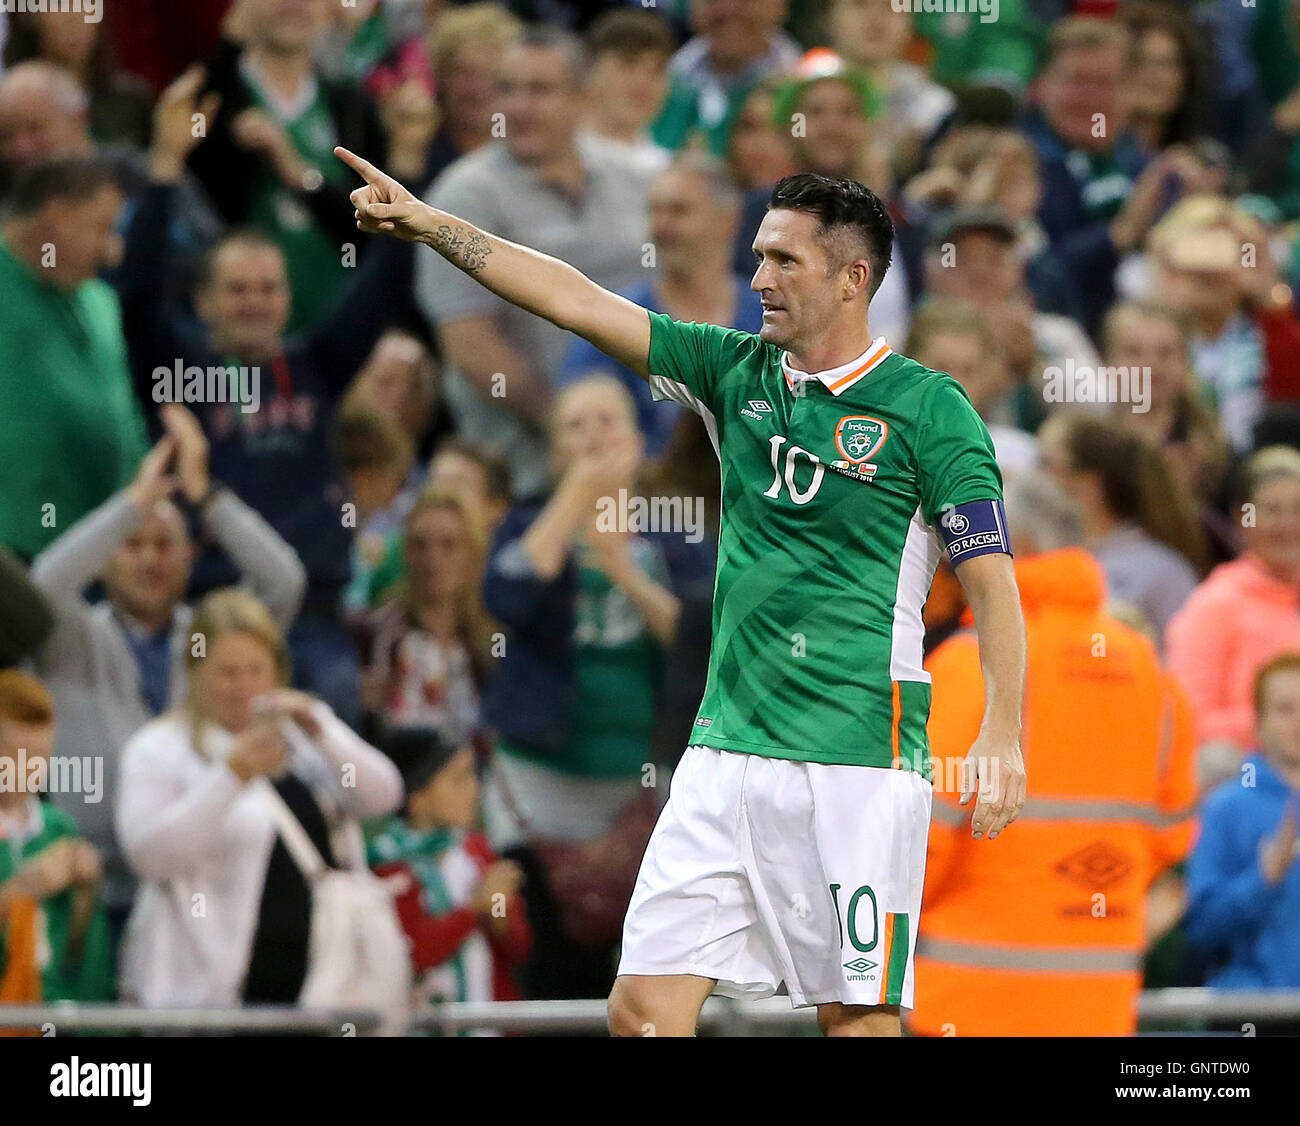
{"x":382,"y":211}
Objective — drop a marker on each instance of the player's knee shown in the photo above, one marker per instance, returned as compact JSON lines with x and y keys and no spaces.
{"x":628,"y":1010}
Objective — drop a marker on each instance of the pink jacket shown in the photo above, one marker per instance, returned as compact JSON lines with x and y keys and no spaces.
{"x":1238,"y":618}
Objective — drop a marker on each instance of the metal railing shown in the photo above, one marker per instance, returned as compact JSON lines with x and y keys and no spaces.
{"x":721,"y":1016}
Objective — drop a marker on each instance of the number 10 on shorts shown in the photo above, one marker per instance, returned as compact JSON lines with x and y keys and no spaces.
{"x":889,"y":944}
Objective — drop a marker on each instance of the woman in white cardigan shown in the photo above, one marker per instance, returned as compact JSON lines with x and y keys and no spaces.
{"x":223,"y":914}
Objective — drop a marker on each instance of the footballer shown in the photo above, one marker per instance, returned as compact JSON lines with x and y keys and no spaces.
{"x":792,"y":847}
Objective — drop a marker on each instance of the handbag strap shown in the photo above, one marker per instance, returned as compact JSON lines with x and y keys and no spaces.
{"x":299,"y":845}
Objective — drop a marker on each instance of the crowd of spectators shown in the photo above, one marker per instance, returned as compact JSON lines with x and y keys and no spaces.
{"x":279,"y":497}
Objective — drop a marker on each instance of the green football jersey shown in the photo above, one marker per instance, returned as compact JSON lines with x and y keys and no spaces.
{"x":834,"y":488}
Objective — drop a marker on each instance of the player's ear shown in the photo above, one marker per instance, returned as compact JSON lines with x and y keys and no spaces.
{"x":857,"y":276}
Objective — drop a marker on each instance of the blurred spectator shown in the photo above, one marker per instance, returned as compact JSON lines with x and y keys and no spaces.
{"x":43,"y":114}
{"x":479,"y":478}
{"x":1247,"y":611}
{"x":401,"y":380}
{"x":1271,"y":158}
{"x":975,"y":256}
{"x":25,"y":616}
{"x":1065,"y":957}
{"x":589,"y":609}
{"x":1211,"y":261}
{"x":1148,"y":338}
{"x":68,"y":448}
{"x":1136,"y":523}
{"x":954,"y":337}
{"x":267,"y":160}
{"x":557,"y":190}
{"x":377,"y":460}
{"x":758,"y":151}
{"x":119,"y":106}
{"x":449,"y":72}
{"x":980,"y":168}
{"x":54,"y":943}
{"x":195,"y":831}
{"x":872,"y":35}
{"x":114,"y":665}
{"x":1001,"y":52}
{"x":460,"y":906}
{"x":268,"y":414}
{"x":465,"y":47}
{"x":432,"y":645}
{"x":736,"y":44}
{"x":627,"y":80}
{"x":694,"y":218}
{"x":1243,"y":881}
{"x":478,"y":475}
{"x":1165,"y":98}
{"x":1094,"y":206}
{"x":827,"y":108}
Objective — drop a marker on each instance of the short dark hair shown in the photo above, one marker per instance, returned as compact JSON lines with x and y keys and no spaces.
{"x":365,"y":439}
{"x":629,"y":31}
{"x":248,"y":236}
{"x":548,"y":37}
{"x":494,"y":463}
{"x":63,"y":177}
{"x":841,"y":204}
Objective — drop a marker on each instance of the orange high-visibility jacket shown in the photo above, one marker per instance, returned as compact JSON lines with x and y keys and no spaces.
{"x":1040,"y":932}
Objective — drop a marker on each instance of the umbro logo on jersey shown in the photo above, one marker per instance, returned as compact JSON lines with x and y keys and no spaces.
{"x":756,"y":409}
{"x":861,"y":968}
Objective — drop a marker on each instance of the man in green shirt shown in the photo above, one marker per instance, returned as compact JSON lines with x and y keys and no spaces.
{"x":802,"y":806}
{"x":71,"y":433}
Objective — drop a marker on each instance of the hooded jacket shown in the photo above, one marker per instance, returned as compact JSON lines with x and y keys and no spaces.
{"x":1040,"y":932}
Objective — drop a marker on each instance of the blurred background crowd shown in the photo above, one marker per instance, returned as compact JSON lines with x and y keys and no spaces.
{"x":254,"y":462}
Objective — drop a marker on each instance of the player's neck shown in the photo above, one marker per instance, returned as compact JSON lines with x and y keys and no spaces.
{"x":832,"y":350}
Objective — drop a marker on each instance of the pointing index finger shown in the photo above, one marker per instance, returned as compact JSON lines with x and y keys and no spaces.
{"x":359,"y":165}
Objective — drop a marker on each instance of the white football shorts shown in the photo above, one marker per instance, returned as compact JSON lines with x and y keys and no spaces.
{"x":762,"y":871}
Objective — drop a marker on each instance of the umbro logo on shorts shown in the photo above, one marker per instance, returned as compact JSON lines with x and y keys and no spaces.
{"x":861,"y":968}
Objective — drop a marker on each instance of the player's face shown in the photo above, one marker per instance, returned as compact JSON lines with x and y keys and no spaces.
{"x":1279,"y":719}
{"x":797,"y":290}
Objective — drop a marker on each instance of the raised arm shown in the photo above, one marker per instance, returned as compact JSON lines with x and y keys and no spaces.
{"x":536,"y":282}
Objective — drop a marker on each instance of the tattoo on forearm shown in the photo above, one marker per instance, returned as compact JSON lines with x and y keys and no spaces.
{"x":461,"y":248}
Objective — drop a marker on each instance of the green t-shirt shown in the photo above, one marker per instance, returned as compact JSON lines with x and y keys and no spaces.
{"x":617,"y":664}
{"x":71,"y":433}
{"x":830,"y":496}
{"x":973,"y":49}
{"x":83,"y":975}
{"x":315,"y":261}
